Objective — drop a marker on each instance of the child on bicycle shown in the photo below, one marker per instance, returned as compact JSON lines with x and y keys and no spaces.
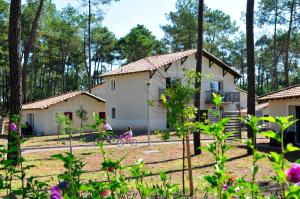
{"x":128,"y":134}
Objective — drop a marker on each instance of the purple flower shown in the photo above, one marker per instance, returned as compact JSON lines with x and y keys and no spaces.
{"x":293,"y":174}
{"x":12,"y":126}
{"x":63,"y":185}
{"x":55,"y":194}
{"x":225,"y":187}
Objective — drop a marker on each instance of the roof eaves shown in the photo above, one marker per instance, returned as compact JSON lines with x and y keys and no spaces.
{"x":264,"y":97}
{"x":221,"y":64}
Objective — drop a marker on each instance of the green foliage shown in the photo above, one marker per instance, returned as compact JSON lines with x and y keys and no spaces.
{"x":177,"y":100}
{"x":218,"y":149}
{"x":145,"y":44}
{"x":72,"y":174}
{"x":181,"y":32}
{"x":82,"y":114}
{"x":63,"y":121}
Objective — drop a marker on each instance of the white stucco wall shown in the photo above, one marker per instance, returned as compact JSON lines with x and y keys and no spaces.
{"x":99,"y":90}
{"x":243,"y":98}
{"x":44,"y":120}
{"x":130,"y":96}
{"x":281,"y":108}
{"x":129,"y":99}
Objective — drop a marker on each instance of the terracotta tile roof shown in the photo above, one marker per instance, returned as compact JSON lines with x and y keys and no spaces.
{"x":289,"y":92}
{"x":154,"y":62}
{"x":257,"y":107}
{"x":46,"y":103}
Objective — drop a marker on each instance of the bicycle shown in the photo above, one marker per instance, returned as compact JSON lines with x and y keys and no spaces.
{"x":111,"y":139}
{"x":123,"y":140}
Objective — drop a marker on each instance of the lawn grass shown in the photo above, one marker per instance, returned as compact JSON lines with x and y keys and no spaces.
{"x":167,"y":159}
{"x":86,"y":139}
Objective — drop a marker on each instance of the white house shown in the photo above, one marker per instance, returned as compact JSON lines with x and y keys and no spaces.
{"x":283,"y":103}
{"x":41,"y":114}
{"x":127,"y":88}
{"x":99,"y":90}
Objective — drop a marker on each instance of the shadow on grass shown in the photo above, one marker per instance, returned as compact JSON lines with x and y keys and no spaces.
{"x":84,"y":137}
{"x":266,"y":148}
{"x":156,"y":162}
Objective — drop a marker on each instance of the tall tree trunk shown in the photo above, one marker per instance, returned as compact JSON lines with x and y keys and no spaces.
{"x":33,"y":76}
{"x":85,"y":58}
{"x":28,"y":46}
{"x":250,"y":67}
{"x":287,"y":44}
{"x":183,"y":167}
{"x":275,"y":59}
{"x":15,"y":98}
{"x":197,"y":141}
{"x":89,"y":44}
{"x":242,"y":71}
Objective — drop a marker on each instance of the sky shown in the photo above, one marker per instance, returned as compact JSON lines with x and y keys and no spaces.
{"x":121,"y":16}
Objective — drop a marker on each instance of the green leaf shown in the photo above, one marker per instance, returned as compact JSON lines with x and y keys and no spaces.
{"x":268,"y":119}
{"x":290,"y":148}
{"x":274,"y":157}
{"x":212,"y":180}
{"x":259,"y":155}
{"x":163,"y":176}
{"x":272,"y":134}
{"x":255,"y":169}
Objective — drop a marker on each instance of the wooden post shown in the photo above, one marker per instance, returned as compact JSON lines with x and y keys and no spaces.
{"x":188,"y":153}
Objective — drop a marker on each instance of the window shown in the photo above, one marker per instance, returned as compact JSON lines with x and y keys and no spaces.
{"x":168,"y":82}
{"x":30,"y":119}
{"x":216,"y":86}
{"x":102,"y":115}
{"x":69,"y":114}
{"x":112,"y":85}
{"x":113,"y":113}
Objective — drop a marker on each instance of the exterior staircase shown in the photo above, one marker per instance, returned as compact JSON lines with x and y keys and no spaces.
{"x":234,"y":125}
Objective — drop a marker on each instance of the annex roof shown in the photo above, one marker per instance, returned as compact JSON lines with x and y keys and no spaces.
{"x":289,"y":92}
{"x":257,"y":107}
{"x":46,"y":103}
{"x":155,"y":62}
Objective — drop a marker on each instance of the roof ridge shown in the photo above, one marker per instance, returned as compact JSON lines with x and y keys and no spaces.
{"x":171,"y":53}
{"x":273,"y":92}
{"x":49,"y":97}
{"x":159,"y":60}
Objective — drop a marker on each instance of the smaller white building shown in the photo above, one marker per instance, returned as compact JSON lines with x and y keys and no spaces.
{"x":285,"y":102}
{"x":40,"y":115}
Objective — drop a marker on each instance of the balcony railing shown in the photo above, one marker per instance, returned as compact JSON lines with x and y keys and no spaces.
{"x":228,"y":97}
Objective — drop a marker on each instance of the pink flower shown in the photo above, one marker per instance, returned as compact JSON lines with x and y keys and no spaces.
{"x":293,"y":174}
{"x":105,"y":193}
{"x":55,"y":194}
{"x":12,"y":126}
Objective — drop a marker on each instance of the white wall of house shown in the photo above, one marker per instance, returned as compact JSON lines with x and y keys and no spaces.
{"x":282,"y":107}
{"x":130,"y":95}
{"x":243,"y":98}
{"x":129,"y":99}
{"x":44,"y":120}
{"x":99,"y":90}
